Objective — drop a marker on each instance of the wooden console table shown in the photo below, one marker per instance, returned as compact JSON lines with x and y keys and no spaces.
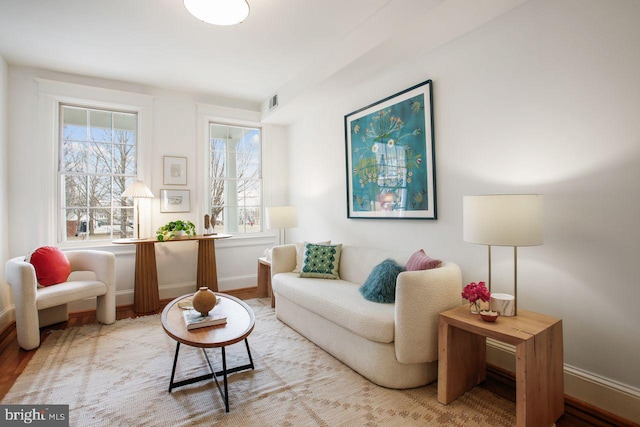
{"x":539,"y":360}
{"x":146,"y":298}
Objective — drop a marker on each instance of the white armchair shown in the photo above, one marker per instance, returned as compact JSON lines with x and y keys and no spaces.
{"x":92,"y":275}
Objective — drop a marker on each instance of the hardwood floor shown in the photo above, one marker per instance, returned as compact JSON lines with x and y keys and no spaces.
{"x":502,"y":383}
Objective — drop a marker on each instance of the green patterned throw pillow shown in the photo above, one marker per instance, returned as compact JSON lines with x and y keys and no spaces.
{"x":321,"y":261}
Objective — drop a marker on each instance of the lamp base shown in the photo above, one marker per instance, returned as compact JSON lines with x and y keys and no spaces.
{"x":504,"y":304}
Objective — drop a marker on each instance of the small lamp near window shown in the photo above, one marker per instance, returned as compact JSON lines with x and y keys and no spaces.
{"x":282,"y":217}
{"x":503,"y":220}
{"x":138,"y":190}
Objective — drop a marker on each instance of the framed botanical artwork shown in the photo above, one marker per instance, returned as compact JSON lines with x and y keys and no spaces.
{"x":175,"y":201}
{"x":390,"y":157}
{"x":175,"y":170}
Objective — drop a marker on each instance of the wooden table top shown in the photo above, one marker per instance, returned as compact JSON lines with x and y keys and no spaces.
{"x":240,"y":323}
{"x":175,"y":239}
{"x":509,"y":329}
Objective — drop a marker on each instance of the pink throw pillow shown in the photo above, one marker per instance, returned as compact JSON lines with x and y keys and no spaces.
{"x":51,"y":265}
{"x":421,"y":261}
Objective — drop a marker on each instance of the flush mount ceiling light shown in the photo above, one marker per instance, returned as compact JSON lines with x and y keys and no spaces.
{"x":218,"y":12}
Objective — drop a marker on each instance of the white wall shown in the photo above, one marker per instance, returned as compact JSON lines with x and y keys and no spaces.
{"x":545,"y":99}
{"x":173,"y":132}
{"x":6,"y":315}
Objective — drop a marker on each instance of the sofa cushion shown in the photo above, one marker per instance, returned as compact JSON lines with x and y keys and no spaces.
{"x":380,"y":286}
{"x":300,"y":249}
{"x":51,"y":265}
{"x":421,"y":261}
{"x":340,"y":302}
{"x":321,"y":261}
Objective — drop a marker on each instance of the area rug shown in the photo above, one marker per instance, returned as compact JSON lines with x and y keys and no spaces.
{"x":118,"y":375}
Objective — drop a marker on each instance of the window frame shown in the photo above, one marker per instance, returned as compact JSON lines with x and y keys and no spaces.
{"x":62,"y":219}
{"x":207,"y":173}
{"x":52,"y":94}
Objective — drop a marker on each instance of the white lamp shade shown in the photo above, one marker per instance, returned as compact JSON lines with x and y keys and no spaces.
{"x":282,"y":217}
{"x":138,"y":190}
{"x":218,"y":12}
{"x":503,"y":219}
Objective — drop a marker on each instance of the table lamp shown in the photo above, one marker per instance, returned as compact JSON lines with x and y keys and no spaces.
{"x":138,"y":190}
{"x":503,"y":220}
{"x":282,"y":217}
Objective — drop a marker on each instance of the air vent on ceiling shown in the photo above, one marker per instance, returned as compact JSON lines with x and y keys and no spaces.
{"x":273,"y":102}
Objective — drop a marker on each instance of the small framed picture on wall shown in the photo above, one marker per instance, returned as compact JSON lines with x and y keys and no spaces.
{"x":175,"y":170}
{"x":175,"y":201}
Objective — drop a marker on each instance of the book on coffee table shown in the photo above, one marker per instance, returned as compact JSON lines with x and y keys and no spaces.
{"x":194,"y":319}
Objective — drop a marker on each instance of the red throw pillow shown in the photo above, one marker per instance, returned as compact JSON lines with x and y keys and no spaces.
{"x":421,"y":261}
{"x":51,"y":264}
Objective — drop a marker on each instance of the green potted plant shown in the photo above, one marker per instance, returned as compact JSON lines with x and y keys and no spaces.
{"x":175,"y":228}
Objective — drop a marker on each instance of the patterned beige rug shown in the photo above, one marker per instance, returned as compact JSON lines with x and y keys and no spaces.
{"x":118,"y":375}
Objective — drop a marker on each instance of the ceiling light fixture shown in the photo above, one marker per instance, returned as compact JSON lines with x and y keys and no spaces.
{"x":218,"y":12}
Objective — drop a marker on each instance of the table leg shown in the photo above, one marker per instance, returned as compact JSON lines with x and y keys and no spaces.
{"x":207,"y":270}
{"x":246,"y":342}
{"x":264,"y":277}
{"x":224,"y":373}
{"x":145,"y":293}
{"x":226,"y":387}
{"x":461,"y":361}
{"x":539,"y":378}
{"x":175,"y":362}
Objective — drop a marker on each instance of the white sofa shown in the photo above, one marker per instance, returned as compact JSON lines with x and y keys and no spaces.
{"x":393,"y":345}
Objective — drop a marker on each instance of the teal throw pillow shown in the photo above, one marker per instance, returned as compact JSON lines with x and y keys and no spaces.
{"x":380,"y":286}
{"x":321,"y":261}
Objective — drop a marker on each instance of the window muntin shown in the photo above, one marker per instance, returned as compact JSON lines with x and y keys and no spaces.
{"x":97,"y":162}
{"x":235,"y":179}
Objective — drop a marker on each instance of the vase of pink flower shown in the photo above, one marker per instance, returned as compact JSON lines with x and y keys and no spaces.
{"x":474,"y":293}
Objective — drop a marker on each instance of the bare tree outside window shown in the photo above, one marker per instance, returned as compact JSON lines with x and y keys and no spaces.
{"x":235,"y":179}
{"x":97,"y":163}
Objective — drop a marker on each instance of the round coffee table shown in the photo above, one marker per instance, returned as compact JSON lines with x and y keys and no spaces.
{"x":240,"y":323}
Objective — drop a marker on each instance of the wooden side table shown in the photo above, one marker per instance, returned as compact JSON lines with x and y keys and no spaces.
{"x":539,"y":359}
{"x":264,"y":280}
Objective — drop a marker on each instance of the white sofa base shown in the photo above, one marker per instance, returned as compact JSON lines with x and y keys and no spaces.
{"x":373,"y":360}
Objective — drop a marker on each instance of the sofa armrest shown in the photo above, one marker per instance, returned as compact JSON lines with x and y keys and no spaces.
{"x":420,"y":297}
{"x":283,"y":259}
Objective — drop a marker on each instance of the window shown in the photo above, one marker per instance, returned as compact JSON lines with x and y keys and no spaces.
{"x":97,"y":162}
{"x":235,"y":179}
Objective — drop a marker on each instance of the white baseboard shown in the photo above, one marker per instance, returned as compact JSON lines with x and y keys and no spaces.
{"x":604,"y":393}
{"x":6,"y":317}
{"x":170,"y":291}
{"x":174,"y":290}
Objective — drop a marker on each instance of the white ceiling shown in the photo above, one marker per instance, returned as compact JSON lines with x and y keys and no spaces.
{"x":289,"y":47}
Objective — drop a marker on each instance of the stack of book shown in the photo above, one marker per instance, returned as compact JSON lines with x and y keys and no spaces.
{"x":195,"y":320}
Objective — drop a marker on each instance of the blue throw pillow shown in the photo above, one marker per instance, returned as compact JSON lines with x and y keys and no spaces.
{"x":380,"y":286}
